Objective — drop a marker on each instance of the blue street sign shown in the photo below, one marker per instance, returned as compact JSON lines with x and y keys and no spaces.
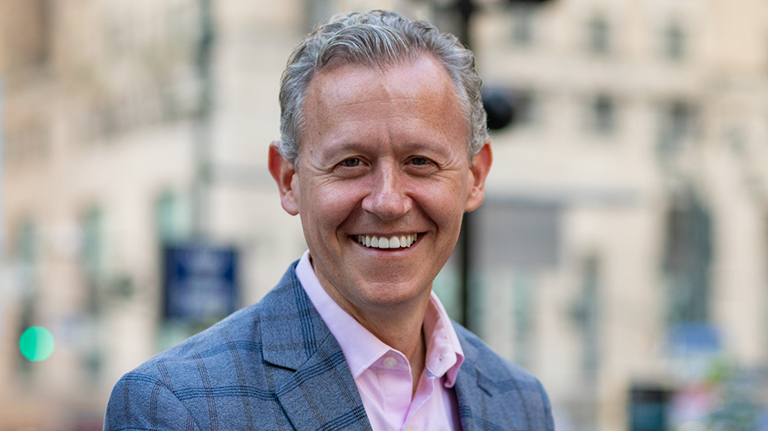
{"x":200,"y":282}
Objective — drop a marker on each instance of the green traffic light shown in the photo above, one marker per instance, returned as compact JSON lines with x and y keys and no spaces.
{"x":36,"y":343}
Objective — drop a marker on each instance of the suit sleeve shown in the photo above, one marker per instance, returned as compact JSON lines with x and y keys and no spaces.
{"x":141,"y":402}
{"x":549,"y":421}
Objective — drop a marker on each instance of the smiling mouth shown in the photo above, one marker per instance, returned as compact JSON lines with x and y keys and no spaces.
{"x":396,"y":241}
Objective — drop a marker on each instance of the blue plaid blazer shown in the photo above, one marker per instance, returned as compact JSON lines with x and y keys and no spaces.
{"x":276,"y":366}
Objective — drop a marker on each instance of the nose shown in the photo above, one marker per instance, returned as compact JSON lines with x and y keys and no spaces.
{"x":388,"y":198}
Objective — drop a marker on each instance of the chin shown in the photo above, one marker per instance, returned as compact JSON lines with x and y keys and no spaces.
{"x":388,"y":293}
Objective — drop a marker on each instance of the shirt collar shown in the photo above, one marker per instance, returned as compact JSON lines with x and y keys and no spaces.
{"x":361,"y":348}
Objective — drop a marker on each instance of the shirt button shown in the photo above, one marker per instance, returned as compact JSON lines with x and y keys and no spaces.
{"x":390,"y":362}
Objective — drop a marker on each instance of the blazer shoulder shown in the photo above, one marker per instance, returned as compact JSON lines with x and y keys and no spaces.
{"x":161,"y":393}
{"x":223,"y":365}
{"x":239,"y":331}
{"x":205,"y":356}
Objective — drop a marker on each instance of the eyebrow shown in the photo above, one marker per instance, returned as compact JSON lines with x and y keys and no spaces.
{"x":424,"y":148}
{"x":336,"y":150}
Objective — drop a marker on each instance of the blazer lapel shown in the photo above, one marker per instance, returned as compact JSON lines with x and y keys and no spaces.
{"x":320,"y":393}
{"x":473,"y":398}
{"x":489,"y":399}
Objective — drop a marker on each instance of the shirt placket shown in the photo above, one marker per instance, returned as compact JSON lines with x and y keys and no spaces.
{"x":424,"y":391}
{"x":395,"y":380}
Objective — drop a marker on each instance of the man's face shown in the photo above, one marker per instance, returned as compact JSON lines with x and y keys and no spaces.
{"x":383,"y":155}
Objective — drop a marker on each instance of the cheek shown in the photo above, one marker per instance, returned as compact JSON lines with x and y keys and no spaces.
{"x":443,"y":203}
{"x":329,"y":205}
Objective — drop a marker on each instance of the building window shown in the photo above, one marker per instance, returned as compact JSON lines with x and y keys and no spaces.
{"x":172,"y":219}
{"x":677,"y":123}
{"x":687,"y":259}
{"x":603,"y":113}
{"x":681,"y":118}
{"x":522,"y":26}
{"x":674,"y":42}
{"x":599,"y":35}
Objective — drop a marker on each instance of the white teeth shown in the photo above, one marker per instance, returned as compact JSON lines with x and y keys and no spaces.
{"x":401,"y":241}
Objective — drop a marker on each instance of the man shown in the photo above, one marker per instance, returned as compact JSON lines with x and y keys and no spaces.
{"x":384,"y":147}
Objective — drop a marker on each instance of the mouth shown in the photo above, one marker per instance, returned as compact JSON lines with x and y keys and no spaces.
{"x":394,"y":241}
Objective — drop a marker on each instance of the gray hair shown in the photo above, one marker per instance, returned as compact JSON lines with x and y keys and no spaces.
{"x":377,"y":39}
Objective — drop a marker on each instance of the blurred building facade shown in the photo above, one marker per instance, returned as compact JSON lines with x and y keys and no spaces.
{"x":622,"y":245}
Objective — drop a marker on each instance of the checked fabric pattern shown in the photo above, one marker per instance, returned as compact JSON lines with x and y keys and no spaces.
{"x":276,"y":366}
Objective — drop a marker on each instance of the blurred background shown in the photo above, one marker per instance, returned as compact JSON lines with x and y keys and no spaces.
{"x":621,"y":254}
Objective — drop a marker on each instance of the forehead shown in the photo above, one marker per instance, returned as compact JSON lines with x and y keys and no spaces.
{"x":352,"y":90}
{"x":418,"y":67}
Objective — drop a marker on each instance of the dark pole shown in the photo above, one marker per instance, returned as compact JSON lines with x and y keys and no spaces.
{"x":464,"y":10}
{"x":465,"y":265}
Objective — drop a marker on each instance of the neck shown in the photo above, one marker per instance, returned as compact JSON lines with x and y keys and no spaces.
{"x":404,"y":334}
{"x":400,"y":329}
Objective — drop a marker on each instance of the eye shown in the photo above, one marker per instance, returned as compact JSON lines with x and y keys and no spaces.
{"x":351,"y":162}
{"x":420,"y":161}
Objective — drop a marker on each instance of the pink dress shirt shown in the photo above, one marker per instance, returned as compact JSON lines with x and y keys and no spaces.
{"x":382,"y":374}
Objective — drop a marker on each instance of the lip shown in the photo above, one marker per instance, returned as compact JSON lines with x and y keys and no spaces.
{"x":385,"y":235}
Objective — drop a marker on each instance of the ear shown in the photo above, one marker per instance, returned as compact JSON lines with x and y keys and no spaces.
{"x":478,"y":172}
{"x":284,"y":173}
